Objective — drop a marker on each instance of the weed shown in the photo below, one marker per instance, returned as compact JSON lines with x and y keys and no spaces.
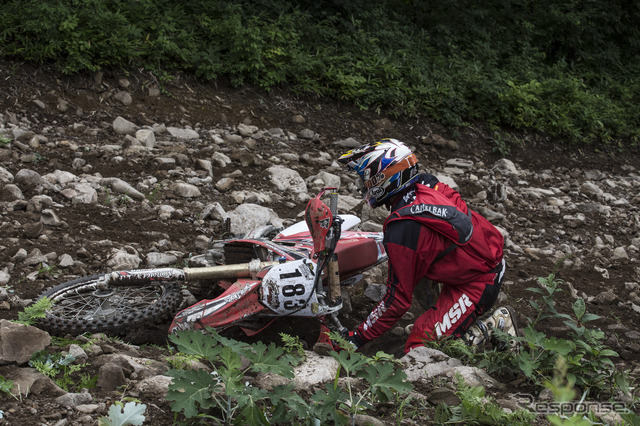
{"x":293,"y":346}
{"x":588,"y":358}
{"x":182,"y":361}
{"x":227,"y":397}
{"x":124,"y":199}
{"x":87,"y":381}
{"x":502,"y":143}
{"x":153,"y":195}
{"x":46,"y":271}
{"x":33,"y":312}
{"x":4,"y":141}
{"x":382,"y":383}
{"x":107,"y":199}
{"x":64,"y":342}
{"x":6,"y":386}
{"x":57,"y":367}
{"x":476,"y":408}
{"x":38,"y":158}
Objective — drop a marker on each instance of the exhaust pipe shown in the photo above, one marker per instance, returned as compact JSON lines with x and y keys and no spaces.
{"x":250,"y":269}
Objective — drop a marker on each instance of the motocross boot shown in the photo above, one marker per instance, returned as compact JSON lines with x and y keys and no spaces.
{"x":503,"y":319}
{"x":324,"y":345}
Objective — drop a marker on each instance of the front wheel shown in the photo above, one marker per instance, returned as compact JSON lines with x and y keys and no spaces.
{"x":81,"y":306}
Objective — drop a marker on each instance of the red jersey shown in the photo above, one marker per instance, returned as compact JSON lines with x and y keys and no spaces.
{"x":431,"y":233}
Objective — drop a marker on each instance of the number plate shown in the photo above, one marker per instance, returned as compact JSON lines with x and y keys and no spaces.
{"x":287,"y":289}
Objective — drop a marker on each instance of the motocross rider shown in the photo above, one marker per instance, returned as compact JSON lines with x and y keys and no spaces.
{"x":430,"y":233}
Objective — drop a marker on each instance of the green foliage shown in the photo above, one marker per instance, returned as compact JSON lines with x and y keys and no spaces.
{"x":45,"y":271}
{"x":193,"y":391}
{"x":476,"y":408}
{"x":64,"y":342}
{"x":226,"y":397}
{"x":383,"y":383}
{"x":4,"y":141}
{"x":564,"y":392}
{"x":182,"y":361}
{"x":153,"y":195}
{"x":32,"y":312}
{"x":566,"y":68}
{"x":6,"y":386}
{"x":293,"y":346}
{"x":130,"y":413}
{"x":57,"y":367}
{"x":87,"y":381}
{"x":588,"y":359}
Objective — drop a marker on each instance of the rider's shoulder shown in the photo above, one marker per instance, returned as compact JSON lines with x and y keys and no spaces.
{"x":428,"y":180}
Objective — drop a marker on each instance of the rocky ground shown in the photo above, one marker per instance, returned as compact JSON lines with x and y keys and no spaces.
{"x":96,"y":169}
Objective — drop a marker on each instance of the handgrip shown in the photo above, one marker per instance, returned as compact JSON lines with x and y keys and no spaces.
{"x":333,"y":203}
{"x":334,"y":281}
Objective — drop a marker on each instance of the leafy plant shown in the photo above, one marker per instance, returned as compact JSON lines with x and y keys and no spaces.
{"x":224,"y":395}
{"x":381,"y":382}
{"x":58,"y":367}
{"x":6,"y":385}
{"x":31,"y":313}
{"x":87,"y":381}
{"x":224,"y":390}
{"x":476,"y":408}
{"x":153,"y":195}
{"x":131,"y":413}
{"x":588,"y":358}
{"x":45,"y":270}
{"x":4,"y":140}
{"x":563,"y":394}
{"x":293,"y":346}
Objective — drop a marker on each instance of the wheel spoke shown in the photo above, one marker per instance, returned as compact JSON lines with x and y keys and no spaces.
{"x":99,"y":304}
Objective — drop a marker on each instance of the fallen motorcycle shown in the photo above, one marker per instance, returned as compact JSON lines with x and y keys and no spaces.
{"x":256,"y":279}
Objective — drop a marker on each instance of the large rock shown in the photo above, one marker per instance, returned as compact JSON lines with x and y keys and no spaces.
{"x":247,"y":217}
{"x":123,"y":126}
{"x":185,"y":190}
{"x":422,"y":363}
{"x":124,"y":259}
{"x":29,"y":381}
{"x":122,"y":187}
{"x":26,"y":178}
{"x":287,"y":180}
{"x":18,"y":342}
{"x":315,"y":370}
{"x":183,"y":134}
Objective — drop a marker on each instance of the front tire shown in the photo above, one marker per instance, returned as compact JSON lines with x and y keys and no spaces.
{"x":80,"y":306}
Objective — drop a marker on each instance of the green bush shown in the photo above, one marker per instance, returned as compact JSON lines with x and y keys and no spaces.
{"x":566,"y":68}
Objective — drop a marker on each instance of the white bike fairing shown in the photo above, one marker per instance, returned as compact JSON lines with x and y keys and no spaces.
{"x":349,"y":222}
{"x":289,"y":289}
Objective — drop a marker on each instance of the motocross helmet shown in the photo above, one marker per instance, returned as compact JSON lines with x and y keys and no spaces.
{"x":385,"y":167}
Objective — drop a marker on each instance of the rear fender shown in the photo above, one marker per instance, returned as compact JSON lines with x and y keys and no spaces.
{"x":359,"y":251}
{"x":237,"y":303}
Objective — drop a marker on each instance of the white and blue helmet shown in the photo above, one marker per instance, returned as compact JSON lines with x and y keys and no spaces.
{"x":385,"y":167}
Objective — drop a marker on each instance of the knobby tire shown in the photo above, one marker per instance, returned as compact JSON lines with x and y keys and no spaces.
{"x":79,"y":307}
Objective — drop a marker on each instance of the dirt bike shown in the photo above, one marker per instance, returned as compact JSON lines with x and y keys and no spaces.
{"x":299,"y":272}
